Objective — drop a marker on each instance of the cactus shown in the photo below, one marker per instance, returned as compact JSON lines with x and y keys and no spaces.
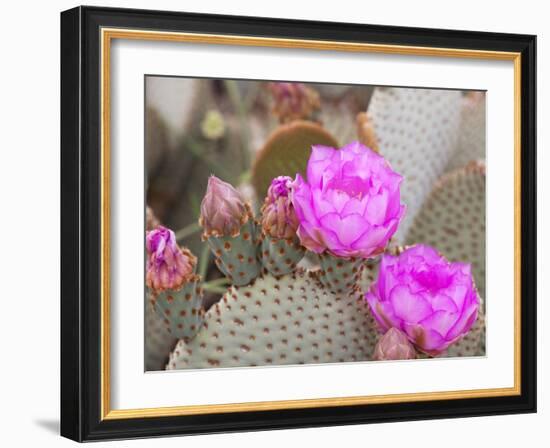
{"x":453,"y":219}
{"x":173,"y":287}
{"x":236,"y":256}
{"x":417,"y":132}
{"x":340,"y":275}
{"x":292,"y":319}
{"x":276,"y":312}
{"x":280,"y":249}
{"x":158,"y":341}
{"x":230,"y":231}
{"x":471,"y":139}
{"x":286,"y":152}
{"x":288,"y":320}
{"x":301,"y":316}
{"x":280,"y":256}
{"x":180,"y":309}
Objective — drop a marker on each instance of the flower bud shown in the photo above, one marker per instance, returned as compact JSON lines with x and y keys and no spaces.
{"x":394,"y":345}
{"x":168,"y":266}
{"x":279,"y":219}
{"x":223,"y":210}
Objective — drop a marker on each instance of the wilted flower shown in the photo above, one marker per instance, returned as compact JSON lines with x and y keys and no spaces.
{"x":278,"y":216}
{"x":168,"y":266}
{"x":293,"y":100}
{"x":393,"y":345}
{"x":213,"y":125}
{"x":350,"y":204}
{"x":223,"y":210}
{"x":433,"y":301}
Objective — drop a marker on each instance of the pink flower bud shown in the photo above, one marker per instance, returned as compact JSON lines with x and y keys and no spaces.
{"x":223,"y":210}
{"x":394,"y":345}
{"x":168,"y":266}
{"x":279,"y":219}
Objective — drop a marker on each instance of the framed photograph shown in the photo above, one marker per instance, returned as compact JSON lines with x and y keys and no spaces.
{"x":276,"y":224}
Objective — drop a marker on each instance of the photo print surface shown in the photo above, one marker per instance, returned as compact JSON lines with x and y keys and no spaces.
{"x":295,"y":223}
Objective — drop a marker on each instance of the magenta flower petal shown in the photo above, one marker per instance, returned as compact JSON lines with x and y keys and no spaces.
{"x":431,"y":299}
{"x":382,"y":312}
{"x":307,"y":240}
{"x":441,"y":302}
{"x":315,"y":238}
{"x":321,"y":206}
{"x":348,"y":228}
{"x":350,"y":203}
{"x":320,"y":158}
{"x":373,"y":238}
{"x":355,"y":206}
{"x":409,"y":307}
{"x":466,"y":320}
{"x":377,"y":208}
{"x":441,"y":321}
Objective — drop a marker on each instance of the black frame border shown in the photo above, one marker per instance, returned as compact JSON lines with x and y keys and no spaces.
{"x":81,"y":223}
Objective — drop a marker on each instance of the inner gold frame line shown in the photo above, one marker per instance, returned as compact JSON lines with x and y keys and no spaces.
{"x":107,"y":36}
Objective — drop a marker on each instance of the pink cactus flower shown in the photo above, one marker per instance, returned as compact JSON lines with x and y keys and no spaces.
{"x":433,"y":301}
{"x":350,"y":204}
{"x":392,"y":346}
{"x":168,"y":266}
{"x":278,"y":216}
{"x":223,"y":210}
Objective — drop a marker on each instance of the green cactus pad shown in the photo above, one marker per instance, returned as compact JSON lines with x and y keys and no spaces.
{"x":340,"y":275}
{"x":181,"y":310}
{"x":280,"y":256}
{"x":237,"y":256}
{"x":453,"y":219}
{"x":277,"y":321}
{"x":417,"y":132}
{"x":471,"y":139}
{"x":287,"y":151}
{"x":158,"y":341}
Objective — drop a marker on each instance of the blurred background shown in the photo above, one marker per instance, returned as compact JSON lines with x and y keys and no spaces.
{"x":247,"y":132}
